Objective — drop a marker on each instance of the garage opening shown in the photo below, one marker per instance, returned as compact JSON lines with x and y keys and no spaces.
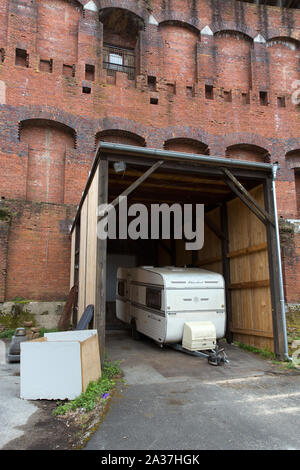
{"x":240,"y":235}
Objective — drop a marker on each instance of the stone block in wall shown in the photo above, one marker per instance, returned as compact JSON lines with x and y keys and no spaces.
{"x":43,"y":314}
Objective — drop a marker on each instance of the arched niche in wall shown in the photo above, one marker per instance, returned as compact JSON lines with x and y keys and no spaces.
{"x":179,"y":52}
{"x":119,"y":136}
{"x":284,"y":57}
{"x":57,"y":34}
{"x":293,"y":163}
{"x":186,"y":145}
{"x":233,"y":60}
{"x":47,"y":142}
{"x":121,"y":30}
{"x":248,"y":152}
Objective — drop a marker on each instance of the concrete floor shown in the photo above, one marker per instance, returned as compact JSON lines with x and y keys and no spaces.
{"x":173,"y":401}
{"x":14,"y":412}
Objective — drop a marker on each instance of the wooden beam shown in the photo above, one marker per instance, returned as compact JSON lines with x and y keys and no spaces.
{"x":247,"y":332}
{"x":165,"y":247}
{"x":244,"y":191}
{"x":246,"y":251}
{"x":100,"y":301}
{"x":194,"y":168}
{"x":136,"y":183}
{"x":226,"y":272}
{"x":250,"y":284}
{"x":172,"y":177}
{"x":177,"y":187}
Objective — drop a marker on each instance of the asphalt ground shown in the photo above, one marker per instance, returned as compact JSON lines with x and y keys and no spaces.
{"x":171,"y":401}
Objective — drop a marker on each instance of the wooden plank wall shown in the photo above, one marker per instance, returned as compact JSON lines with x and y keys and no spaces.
{"x":249,"y":270}
{"x":210,"y":257}
{"x":88,"y":248}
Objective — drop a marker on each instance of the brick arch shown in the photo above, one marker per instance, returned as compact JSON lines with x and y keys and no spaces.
{"x":248,"y":152}
{"x":121,"y":124}
{"x":138,"y":8}
{"x":45,"y":121}
{"x":48,"y":141}
{"x":293,"y":158}
{"x":119,"y":136}
{"x":180,"y":23}
{"x":190,"y":18}
{"x":80,"y":3}
{"x":185,"y":132}
{"x":284,"y":40}
{"x":248,"y":139}
{"x":233,"y":32}
{"x":186,"y":145}
{"x":82,"y":128}
{"x":233,"y":27}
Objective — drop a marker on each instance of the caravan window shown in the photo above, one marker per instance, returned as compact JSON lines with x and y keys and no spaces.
{"x":121,"y":288}
{"x":153,"y":298}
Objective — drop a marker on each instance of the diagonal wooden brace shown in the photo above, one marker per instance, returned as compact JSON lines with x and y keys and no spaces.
{"x":246,"y":197}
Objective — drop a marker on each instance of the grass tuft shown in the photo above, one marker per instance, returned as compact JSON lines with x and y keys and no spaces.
{"x":95,"y":392}
{"x":266,"y":353}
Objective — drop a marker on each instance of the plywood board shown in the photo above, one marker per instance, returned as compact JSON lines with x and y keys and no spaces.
{"x":91,"y":247}
{"x":82,"y":258}
{"x":75,"y":335}
{"x":72,"y":267}
{"x":60,"y":365}
{"x":50,"y":370}
{"x":90,"y":361}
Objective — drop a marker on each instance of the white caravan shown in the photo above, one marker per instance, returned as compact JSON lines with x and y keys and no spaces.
{"x":173,"y":305}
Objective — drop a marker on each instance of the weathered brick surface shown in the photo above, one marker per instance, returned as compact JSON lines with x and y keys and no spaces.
{"x":39,"y":250}
{"x":49,"y":127}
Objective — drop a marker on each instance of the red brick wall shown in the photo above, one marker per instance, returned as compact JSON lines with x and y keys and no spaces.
{"x":233,"y":61}
{"x":3,"y":21}
{"x":284,"y":68}
{"x":179,"y":46}
{"x":57,"y":35}
{"x":48,"y":163}
{"x":290,"y":252}
{"x":39,"y":251}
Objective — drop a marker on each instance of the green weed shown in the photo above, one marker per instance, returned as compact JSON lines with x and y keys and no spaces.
{"x":95,"y":392}
{"x":266,"y":353}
